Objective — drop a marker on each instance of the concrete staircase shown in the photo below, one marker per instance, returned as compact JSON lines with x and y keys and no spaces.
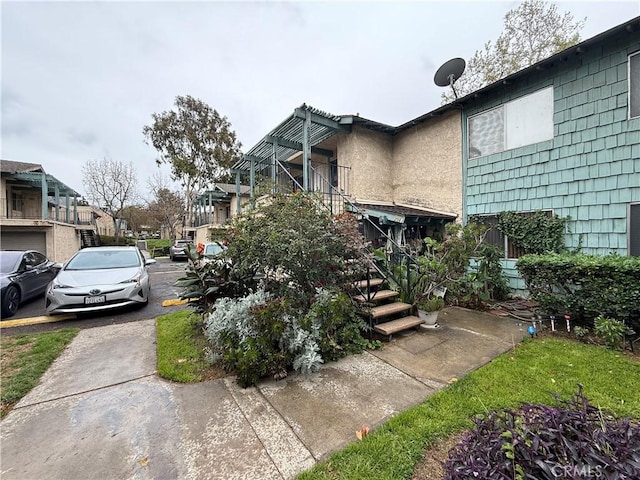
{"x":88,"y":238}
{"x":387,"y":316}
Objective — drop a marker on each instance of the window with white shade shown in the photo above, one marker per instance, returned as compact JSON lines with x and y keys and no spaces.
{"x":524,"y":121}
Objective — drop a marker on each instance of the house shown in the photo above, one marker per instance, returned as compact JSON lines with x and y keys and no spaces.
{"x":40,"y":212}
{"x":561,"y":136}
{"x":214,"y":207}
{"x":407,"y":180}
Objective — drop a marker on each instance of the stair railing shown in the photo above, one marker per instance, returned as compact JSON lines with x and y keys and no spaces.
{"x":398,"y":262}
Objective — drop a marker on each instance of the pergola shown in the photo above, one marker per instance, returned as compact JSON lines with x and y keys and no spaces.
{"x":50,"y":186}
{"x":302,"y":131}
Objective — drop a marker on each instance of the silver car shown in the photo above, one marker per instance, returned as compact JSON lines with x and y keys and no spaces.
{"x":100,"y":278}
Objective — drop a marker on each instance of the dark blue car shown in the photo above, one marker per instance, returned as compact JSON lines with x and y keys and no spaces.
{"x":24,"y":275}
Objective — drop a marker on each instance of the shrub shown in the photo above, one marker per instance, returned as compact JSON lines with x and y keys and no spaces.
{"x":572,"y":440}
{"x":584,"y":285}
{"x":610,"y":330}
{"x":296,"y":246}
{"x":259,"y":336}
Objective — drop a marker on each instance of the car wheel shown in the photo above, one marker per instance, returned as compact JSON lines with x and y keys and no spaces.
{"x":11,"y":301}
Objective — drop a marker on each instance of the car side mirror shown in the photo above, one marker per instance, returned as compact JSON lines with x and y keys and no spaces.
{"x":150,"y":261}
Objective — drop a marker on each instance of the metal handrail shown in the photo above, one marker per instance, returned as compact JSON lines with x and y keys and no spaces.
{"x":397,"y":249}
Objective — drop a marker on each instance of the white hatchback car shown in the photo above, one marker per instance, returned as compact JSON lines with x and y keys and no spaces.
{"x":100,"y":278}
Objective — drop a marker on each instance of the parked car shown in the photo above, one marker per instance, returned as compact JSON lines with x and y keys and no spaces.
{"x":213,"y":249}
{"x":177,"y":249}
{"x":100,"y":278}
{"x":25,"y":274}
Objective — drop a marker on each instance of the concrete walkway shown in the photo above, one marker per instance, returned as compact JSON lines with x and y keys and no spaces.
{"x":101,"y":412}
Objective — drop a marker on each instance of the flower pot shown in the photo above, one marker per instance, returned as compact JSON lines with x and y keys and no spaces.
{"x":430,"y":318}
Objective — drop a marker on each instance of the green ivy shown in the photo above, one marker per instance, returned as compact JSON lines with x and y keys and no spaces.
{"x":538,"y":233}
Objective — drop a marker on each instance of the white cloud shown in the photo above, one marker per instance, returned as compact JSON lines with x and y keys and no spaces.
{"x":81,"y":79}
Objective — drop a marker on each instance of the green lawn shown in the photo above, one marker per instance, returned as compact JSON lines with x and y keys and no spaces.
{"x":528,"y":374}
{"x":181,"y":349}
{"x":24,"y":358}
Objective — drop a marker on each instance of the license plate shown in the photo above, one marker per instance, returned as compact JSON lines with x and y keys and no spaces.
{"x":94,"y":300}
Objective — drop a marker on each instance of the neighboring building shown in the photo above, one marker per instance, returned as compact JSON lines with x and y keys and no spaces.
{"x":40,"y":212}
{"x":406,"y":179}
{"x":214,"y":208}
{"x":562,"y":136}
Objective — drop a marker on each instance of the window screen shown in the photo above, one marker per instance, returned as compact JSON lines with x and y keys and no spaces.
{"x":524,"y":121}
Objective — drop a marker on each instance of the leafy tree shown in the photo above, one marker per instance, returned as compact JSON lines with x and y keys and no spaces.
{"x":136,"y":216}
{"x":535,"y":30}
{"x":196,"y":141}
{"x":111,"y":185}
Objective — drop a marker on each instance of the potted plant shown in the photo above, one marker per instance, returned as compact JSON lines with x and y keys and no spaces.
{"x":429,"y":307}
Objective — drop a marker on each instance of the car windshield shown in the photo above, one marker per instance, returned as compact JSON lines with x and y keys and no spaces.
{"x":100,"y":260}
{"x":9,"y":261}
{"x":213,"y":249}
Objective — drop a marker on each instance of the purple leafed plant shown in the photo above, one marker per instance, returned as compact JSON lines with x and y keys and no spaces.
{"x":571,"y":440}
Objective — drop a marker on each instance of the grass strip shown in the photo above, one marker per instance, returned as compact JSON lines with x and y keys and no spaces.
{"x":180,"y":347}
{"x":527,"y":374}
{"x":24,"y":358}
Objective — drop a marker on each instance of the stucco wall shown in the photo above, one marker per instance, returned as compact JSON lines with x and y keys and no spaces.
{"x":590,"y":170}
{"x":427,"y":166}
{"x":62,"y":242}
{"x":369,"y":155}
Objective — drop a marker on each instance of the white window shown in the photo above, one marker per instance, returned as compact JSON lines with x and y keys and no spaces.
{"x":634,"y":85}
{"x":524,"y":121}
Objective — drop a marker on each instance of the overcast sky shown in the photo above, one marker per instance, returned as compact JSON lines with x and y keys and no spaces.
{"x":81,"y":79}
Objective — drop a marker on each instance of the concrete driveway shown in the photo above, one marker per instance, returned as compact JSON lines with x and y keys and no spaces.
{"x":100,"y":411}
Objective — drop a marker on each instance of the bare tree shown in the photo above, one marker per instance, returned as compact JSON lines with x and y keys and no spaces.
{"x":532,"y":32}
{"x":167,"y":209}
{"x":111,"y":185}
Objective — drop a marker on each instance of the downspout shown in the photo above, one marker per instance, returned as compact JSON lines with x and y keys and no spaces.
{"x":465,"y":151}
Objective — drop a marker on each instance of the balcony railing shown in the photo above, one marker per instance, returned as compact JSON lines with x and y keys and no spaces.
{"x":62,"y":215}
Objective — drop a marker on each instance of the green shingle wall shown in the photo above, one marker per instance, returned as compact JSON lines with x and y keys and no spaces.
{"x":590,"y":171}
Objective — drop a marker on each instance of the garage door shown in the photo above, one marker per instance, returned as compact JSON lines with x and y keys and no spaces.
{"x":24,"y":241}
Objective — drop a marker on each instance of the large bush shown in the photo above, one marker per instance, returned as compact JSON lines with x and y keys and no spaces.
{"x":258,"y":336}
{"x":584,"y":286}
{"x":277,"y":298}
{"x":294,"y":246}
{"x":571,"y":440}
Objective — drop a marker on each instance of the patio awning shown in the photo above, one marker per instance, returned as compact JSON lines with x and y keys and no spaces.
{"x":35,"y":179}
{"x":288,"y":137}
{"x":402,"y":214}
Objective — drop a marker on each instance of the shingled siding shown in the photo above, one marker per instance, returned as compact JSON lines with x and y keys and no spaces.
{"x":590,"y":171}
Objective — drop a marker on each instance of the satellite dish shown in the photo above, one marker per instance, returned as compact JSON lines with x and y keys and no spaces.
{"x":449,"y":72}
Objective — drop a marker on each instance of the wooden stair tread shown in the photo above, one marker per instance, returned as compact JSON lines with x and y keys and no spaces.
{"x":378,"y":295}
{"x":394,"y":326}
{"x":389,"y":309}
{"x":374,"y":282}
